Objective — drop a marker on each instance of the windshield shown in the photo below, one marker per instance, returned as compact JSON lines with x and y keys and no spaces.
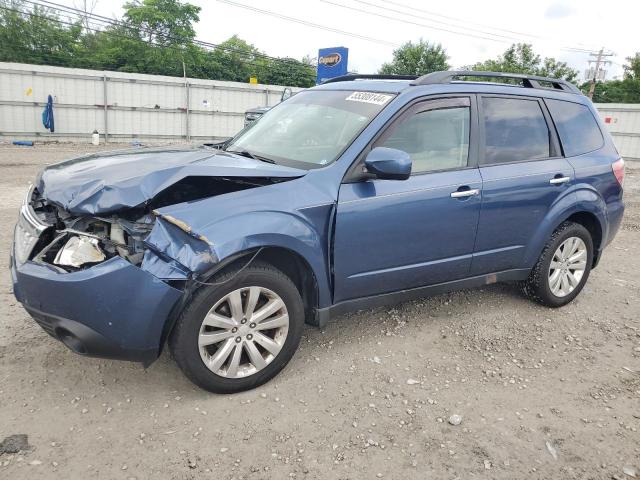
{"x":310,"y":129}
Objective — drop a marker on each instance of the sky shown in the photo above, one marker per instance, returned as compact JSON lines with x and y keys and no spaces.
{"x":371,"y":29}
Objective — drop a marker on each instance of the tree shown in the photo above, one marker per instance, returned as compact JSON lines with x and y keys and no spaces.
{"x":288,"y":71}
{"x":520,"y":58}
{"x":154,"y":36}
{"x":633,"y":69}
{"x":626,"y":90}
{"x":163,"y":22}
{"x":417,"y":59}
{"x":36,"y":38}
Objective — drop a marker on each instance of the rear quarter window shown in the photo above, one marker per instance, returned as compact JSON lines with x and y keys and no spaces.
{"x":577,"y":128}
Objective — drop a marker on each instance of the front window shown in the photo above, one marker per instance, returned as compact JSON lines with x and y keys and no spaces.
{"x":312,"y":128}
{"x":435,"y":139}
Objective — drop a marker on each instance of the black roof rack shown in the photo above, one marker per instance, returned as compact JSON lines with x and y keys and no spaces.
{"x":359,"y":76}
{"x":528,"y":81}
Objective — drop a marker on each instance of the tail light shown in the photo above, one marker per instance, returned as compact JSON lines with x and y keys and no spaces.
{"x":618,"y":170}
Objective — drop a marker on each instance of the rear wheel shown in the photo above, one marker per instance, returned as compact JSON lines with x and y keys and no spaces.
{"x":241,"y":332}
{"x":563,"y":267}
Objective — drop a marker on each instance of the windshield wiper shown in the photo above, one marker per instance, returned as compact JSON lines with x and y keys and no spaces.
{"x":248,"y":154}
{"x":244,"y":153}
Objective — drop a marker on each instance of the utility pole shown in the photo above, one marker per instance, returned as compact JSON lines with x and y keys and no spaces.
{"x":87,"y":7}
{"x":596,"y":71}
{"x":188,"y":99}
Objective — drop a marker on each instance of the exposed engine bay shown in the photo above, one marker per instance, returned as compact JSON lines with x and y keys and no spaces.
{"x":77,"y":242}
{"x":113,"y":205}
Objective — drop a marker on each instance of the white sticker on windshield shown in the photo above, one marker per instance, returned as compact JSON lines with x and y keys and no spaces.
{"x":369,"y":97}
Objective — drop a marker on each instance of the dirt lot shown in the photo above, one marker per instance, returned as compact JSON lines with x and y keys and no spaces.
{"x":542,"y":393}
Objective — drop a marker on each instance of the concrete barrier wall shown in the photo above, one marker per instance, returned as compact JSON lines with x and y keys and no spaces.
{"x":623,"y":121}
{"x":127,"y":106}
{"x":123,"y":106}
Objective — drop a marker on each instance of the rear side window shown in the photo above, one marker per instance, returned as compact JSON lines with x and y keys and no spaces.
{"x":515,"y":130}
{"x":578,"y":130}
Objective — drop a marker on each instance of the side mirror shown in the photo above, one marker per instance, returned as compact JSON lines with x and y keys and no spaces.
{"x":388,"y":163}
{"x":286,"y":93}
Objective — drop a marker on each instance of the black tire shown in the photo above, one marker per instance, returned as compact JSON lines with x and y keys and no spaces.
{"x":183,"y":341}
{"x":536,"y":287}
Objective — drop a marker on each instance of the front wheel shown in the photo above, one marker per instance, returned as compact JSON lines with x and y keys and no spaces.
{"x":240,"y":331}
{"x":563,"y":267}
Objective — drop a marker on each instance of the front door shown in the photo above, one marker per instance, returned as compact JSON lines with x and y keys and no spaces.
{"x":394,"y":235}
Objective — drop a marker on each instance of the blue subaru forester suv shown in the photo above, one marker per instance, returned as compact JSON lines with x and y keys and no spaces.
{"x":356,"y":193}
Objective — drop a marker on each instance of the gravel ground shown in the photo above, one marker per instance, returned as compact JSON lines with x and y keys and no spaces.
{"x":539,"y":393}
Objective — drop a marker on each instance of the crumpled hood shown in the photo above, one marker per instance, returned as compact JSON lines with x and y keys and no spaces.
{"x":108,"y":182}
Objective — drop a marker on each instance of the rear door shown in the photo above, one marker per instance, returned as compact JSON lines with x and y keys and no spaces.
{"x":399,"y":234}
{"x":523,"y":175}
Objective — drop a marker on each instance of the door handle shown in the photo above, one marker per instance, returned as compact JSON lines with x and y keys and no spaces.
{"x":465,"y":193}
{"x":559,"y":180}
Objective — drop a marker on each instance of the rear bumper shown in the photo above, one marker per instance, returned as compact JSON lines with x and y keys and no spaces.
{"x":615,"y":212}
{"x":112,"y":310}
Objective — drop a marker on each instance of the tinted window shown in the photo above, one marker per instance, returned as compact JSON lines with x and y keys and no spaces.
{"x":578,"y":130}
{"x":515,"y":130}
{"x":435,"y":139}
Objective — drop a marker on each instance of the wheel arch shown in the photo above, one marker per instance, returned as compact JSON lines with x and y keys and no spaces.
{"x":586,"y":208}
{"x":289,"y":262}
{"x":589,"y":221}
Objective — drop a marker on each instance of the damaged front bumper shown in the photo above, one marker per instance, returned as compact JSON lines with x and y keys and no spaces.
{"x":112,"y":310}
{"x":114,"y":305}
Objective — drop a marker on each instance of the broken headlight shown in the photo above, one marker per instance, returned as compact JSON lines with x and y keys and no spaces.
{"x":79,"y":251}
{"x":28,"y":231}
{"x":25,"y":238}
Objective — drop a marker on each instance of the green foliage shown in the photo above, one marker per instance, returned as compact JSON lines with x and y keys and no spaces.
{"x":616,"y":91}
{"x":520,"y":58}
{"x":164,"y":22}
{"x":633,"y":69}
{"x":37,"y":37}
{"x":154,"y":37}
{"x":276,"y":73}
{"x":626,"y":90}
{"x":417,"y":59}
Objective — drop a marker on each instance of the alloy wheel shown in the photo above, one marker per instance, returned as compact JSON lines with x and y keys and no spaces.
{"x":243,"y":332}
{"x":567,"y":266}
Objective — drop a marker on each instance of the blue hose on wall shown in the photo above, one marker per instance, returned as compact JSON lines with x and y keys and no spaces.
{"x":47,"y":115}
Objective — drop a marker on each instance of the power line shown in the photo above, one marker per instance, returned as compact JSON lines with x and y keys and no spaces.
{"x":502,"y":38}
{"x":368,"y":12}
{"x":113,"y":22}
{"x":118,"y":23}
{"x":324,"y":27}
{"x":414,"y":9}
{"x":299,"y":76}
{"x":307,"y":23}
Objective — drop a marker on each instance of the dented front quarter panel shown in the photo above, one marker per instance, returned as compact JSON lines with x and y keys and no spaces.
{"x":174,"y":251}
{"x":270,"y":216}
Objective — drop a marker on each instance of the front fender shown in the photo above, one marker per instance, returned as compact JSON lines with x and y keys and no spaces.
{"x":176,"y":253}
{"x":580,"y":198}
{"x":249,"y":231}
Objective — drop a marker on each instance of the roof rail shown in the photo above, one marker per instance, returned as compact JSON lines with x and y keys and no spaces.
{"x":361,"y":76}
{"x":528,"y":81}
